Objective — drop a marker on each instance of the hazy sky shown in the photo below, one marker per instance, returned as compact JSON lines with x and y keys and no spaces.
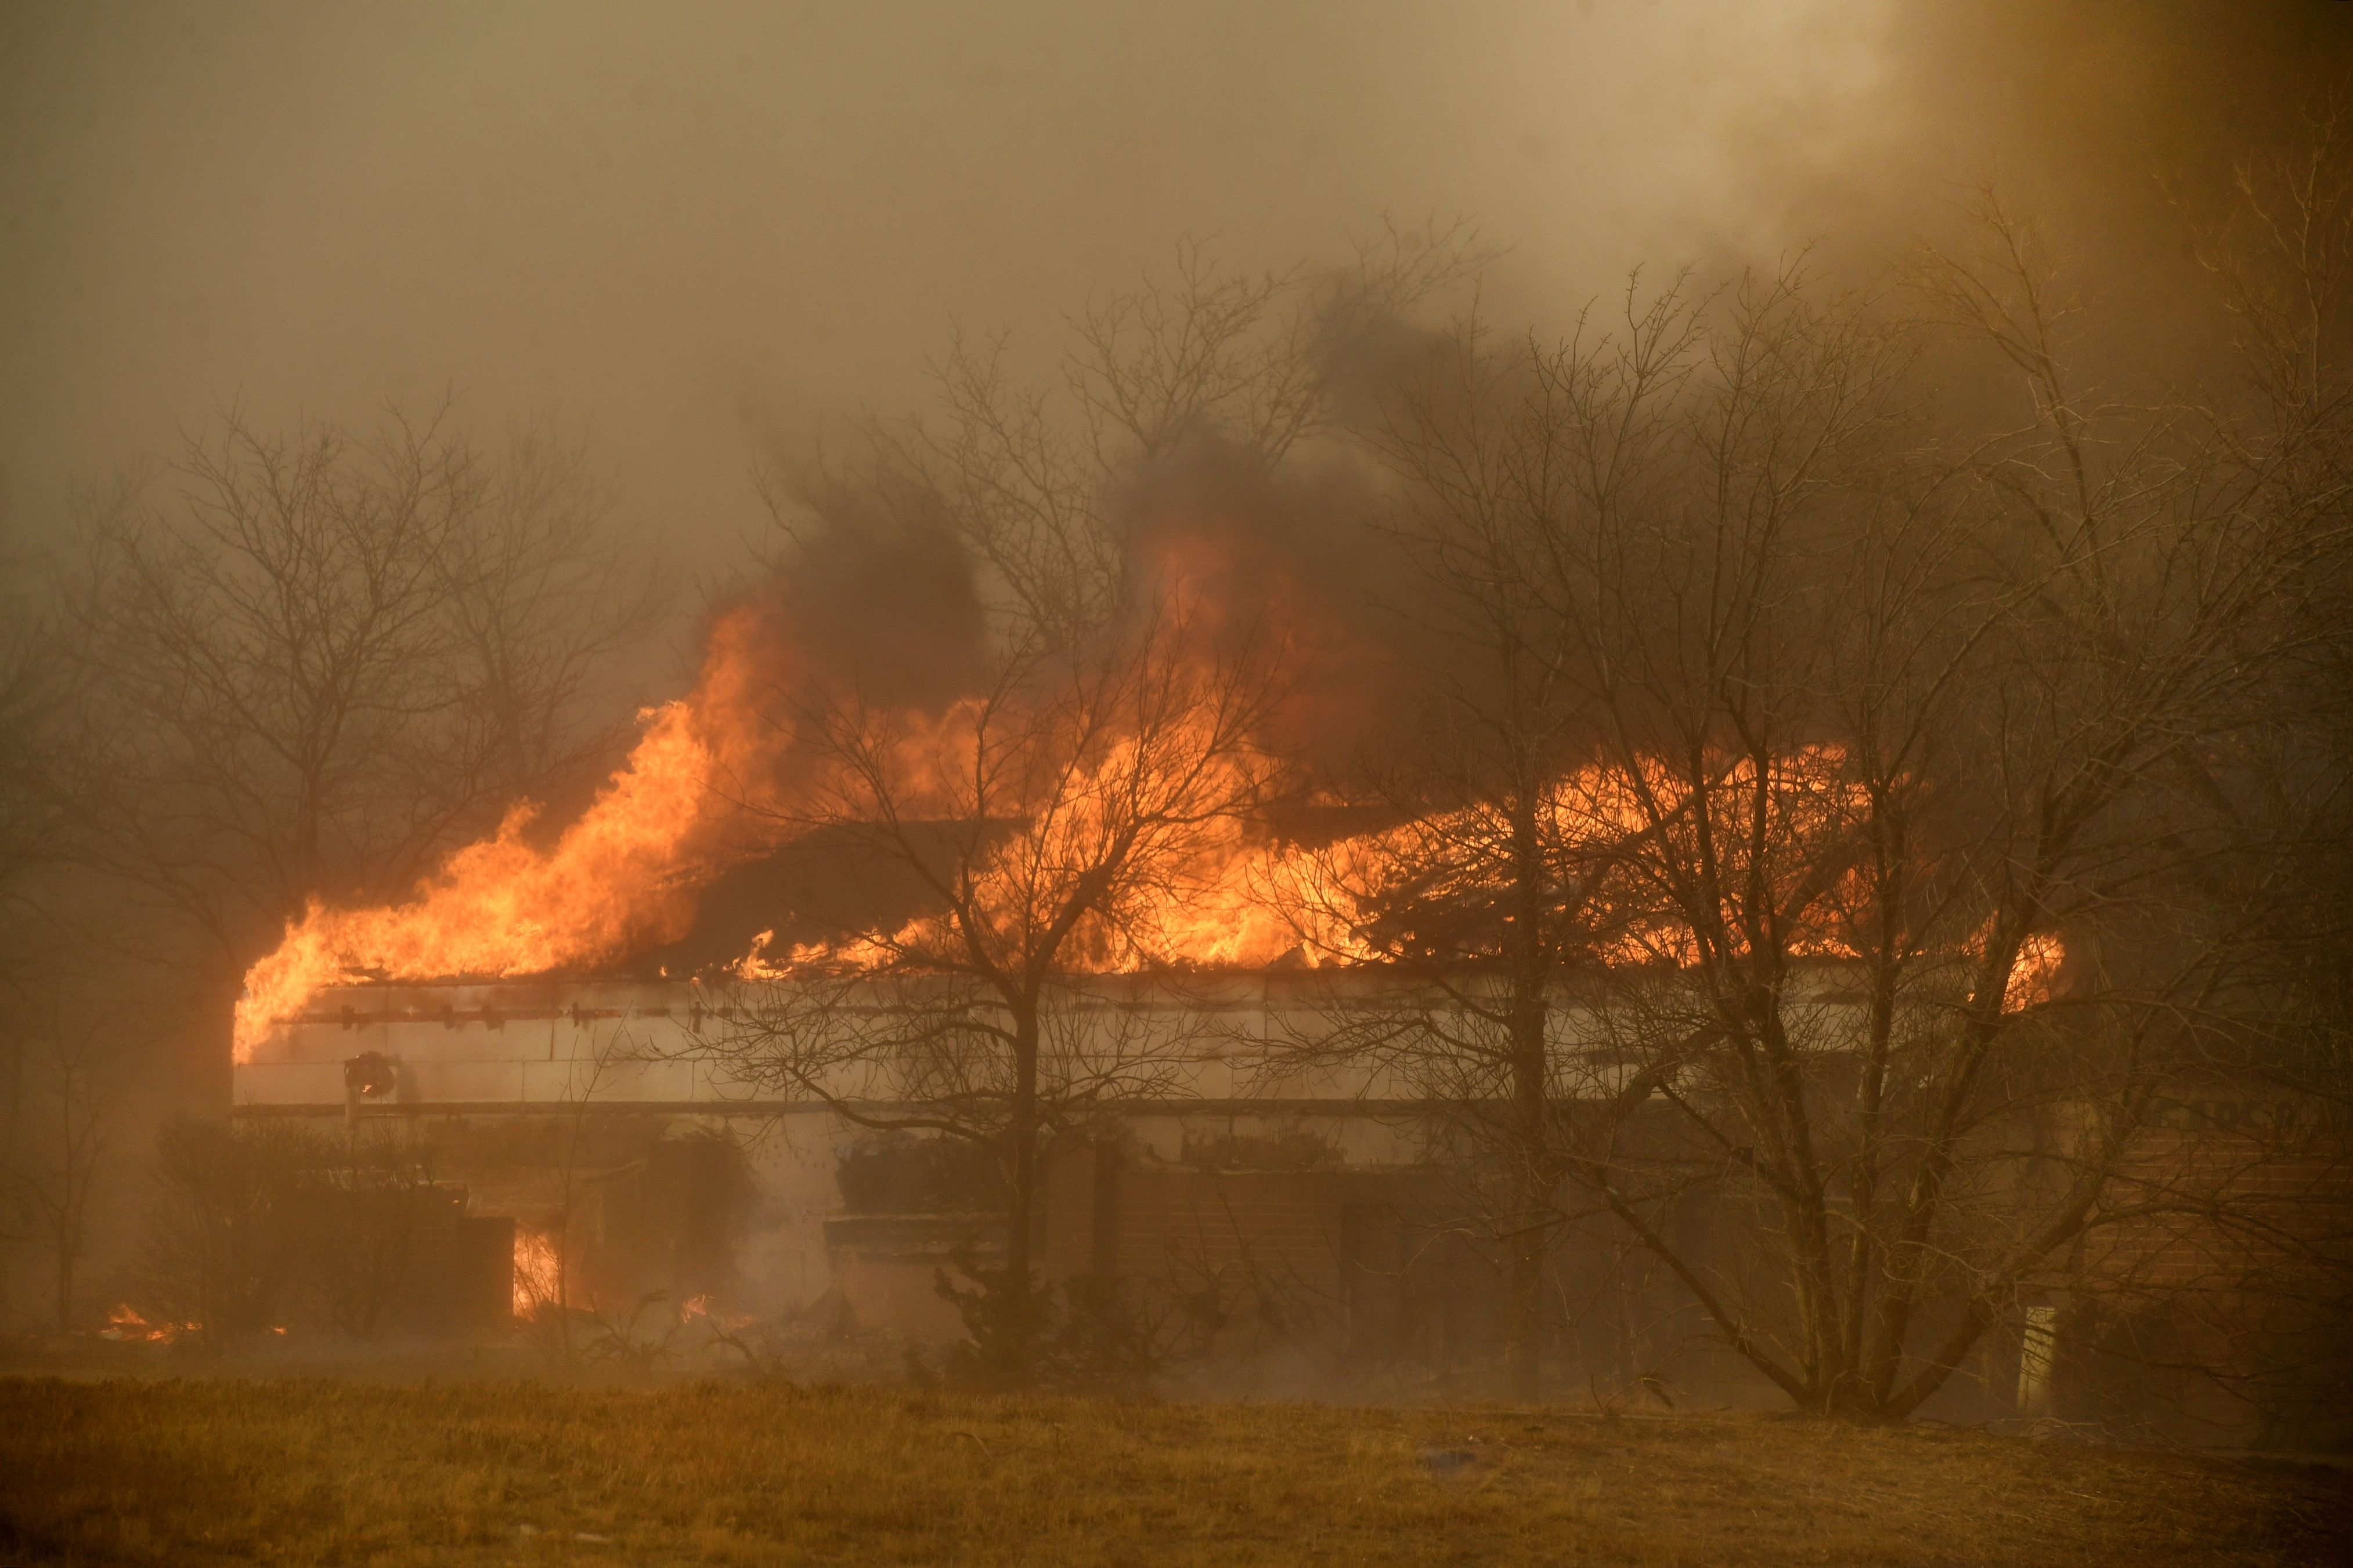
{"x":679,"y":228}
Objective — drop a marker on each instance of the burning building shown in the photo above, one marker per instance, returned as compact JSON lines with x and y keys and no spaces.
{"x":562,"y":1022}
{"x":1055,"y":965}
{"x":716,"y":1038}
{"x":590,"y":1110}
{"x":1301,"y":1207}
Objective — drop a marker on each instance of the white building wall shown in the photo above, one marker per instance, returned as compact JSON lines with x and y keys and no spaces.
{"x":547,"y":1048}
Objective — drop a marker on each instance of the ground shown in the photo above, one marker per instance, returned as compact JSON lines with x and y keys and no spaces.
{"x":223,"y":1469}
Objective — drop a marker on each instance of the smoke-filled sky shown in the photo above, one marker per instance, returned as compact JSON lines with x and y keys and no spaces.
{"x":684,"y":229}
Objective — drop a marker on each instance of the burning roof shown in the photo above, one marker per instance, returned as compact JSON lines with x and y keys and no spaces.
{"x":804,"y":806}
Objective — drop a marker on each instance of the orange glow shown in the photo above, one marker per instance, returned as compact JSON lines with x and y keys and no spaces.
{"x":1215,"y":894}
{"x":1236,"y":899}
{"x":1200,"y":886}
{"x":697,"y":1307}
{"x":2033,"y":975}
{"x":538,"y":1272}
{"x":1248,"y":903}
{"x":126,"y":1323}
{"x":622,"y":876}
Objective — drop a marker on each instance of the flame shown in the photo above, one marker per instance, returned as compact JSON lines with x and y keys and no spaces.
{"x":1218,"y":890}
{"x":755,"y":964}
{"x":1237,"y":897}
{"x":1214,"y":900}
{"x":622,"y":876}
{"x":1248,"y":904}
{"x":695,"y":1307}
{"x":2033,"y":975}
{"x":126,"y":1323}
{"x":538,"y":1271}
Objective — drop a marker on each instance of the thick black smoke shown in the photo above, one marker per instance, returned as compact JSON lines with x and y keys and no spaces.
{"x":889,"y":608}
{"x":1301,"y":565}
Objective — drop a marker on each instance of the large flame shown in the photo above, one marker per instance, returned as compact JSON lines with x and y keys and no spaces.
{"x":1216,"y":889}
{"x":1237,"y":897}
{"x":538,"y":1272}
{"x":620,"y":877}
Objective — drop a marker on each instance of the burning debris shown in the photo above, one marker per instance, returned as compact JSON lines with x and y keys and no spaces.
{"x":127,"y":1323}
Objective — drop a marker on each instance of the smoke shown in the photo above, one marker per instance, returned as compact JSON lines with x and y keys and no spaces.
{"x":2111,"y":129}
{"x":2089,"y":112}
{"x":674,"y":228}
{"x":891,"y":607}
{"x":1288,"y":564}
{"x":689,"y":234}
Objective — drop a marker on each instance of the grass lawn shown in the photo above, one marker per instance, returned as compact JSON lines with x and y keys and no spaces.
{"x":320,"y":1471}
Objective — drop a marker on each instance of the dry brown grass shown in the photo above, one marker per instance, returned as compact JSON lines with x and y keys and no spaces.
{"x":319,"y":1471}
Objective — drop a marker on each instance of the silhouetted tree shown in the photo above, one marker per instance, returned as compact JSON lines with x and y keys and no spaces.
{"x":328,"y":656}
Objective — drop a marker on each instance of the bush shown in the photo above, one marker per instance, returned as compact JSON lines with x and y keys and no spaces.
{"x":259,"y":1226}
{"x":1085,"y":1335}
{"x":222,"y":1250}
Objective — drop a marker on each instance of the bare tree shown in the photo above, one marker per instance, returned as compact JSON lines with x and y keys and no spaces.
{"x":2281,"y":252}
{"x":1055,"y":814}
{"x":65,"y":1088}
{"x":1888,"y":823}
{"x":67,"y":1058}
{"x":329,"y":655}
{"x":1979,"y":746}
{"x":37,"y":694}
{"x":1048,"y":827}
{"x":548,"y":1260}
{"x":1490,"y":894}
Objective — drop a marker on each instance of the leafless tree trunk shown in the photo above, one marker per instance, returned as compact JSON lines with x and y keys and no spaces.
{"x":1488,"y":894}
{"x":1055,"y":812}
{"x":1896,"y":776}
{"x":328,"y":656}
{"x":61,"y":1109}
{"x":1047,"y":837}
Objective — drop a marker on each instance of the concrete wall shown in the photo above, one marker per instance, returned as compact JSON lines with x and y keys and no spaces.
{"x":1288,"y":1210}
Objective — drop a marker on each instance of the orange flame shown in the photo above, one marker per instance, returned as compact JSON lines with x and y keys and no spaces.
{"x":538,"y":1272}
{"x":2033,"y":976}
{"x":1221,"y":892}
{"x":126,"y":1323}
{"x":619,"y":877}
{"x":1239,"y":898}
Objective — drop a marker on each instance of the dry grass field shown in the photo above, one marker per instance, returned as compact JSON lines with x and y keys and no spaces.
{"x":320,"y":1471}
